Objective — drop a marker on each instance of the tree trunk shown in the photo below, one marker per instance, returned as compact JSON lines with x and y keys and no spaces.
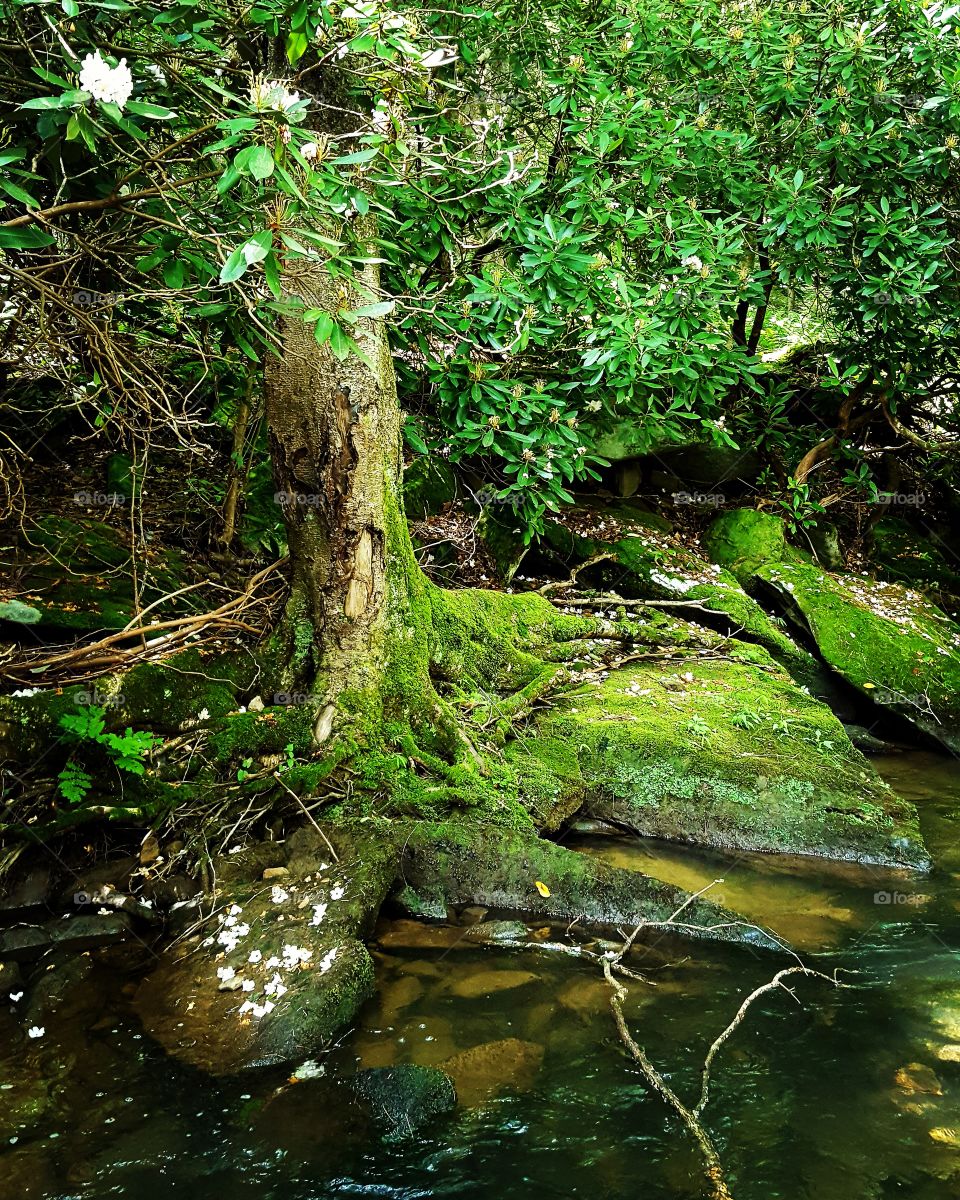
{"x":334,"y":431}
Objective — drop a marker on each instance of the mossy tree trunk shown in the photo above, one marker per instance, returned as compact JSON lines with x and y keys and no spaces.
{"x":334,"y":429}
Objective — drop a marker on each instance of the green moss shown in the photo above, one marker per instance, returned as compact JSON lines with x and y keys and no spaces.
{"x":724,"y":753}
{"x":82,"y":583}
{"x":651,"y":565}
{"x":905,"y":554}
{"x":888,"y":641}
{"x":429,"y":484}
{"x":459,"y":862}
{"x":743,"y":540}
{"x":504,"y":539}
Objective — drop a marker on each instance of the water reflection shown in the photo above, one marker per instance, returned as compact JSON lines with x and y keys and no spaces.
{"x":838,"y":1094}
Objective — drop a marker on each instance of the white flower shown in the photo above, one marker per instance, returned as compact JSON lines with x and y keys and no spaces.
{"x":225,"y":974}
{"x":275,"y":987}
{"x":272,"y":963}
{"x":235,"y":910}
{"x":278,"y":895}
{"x":309,"y":151}
{"x":247,"y":985}
{"x":294,"y":955}
{"x":155,"y":72}
{"x":270,"y":93}
{"x":319,"y":912}
{"x":437,"y":58}
{"x":337,"y":893}
{"x":594,"y":405}
{"x":203,"y":715}
{"x":261,"y":1010}
{"x":255,"y":956}
{"x":327,"y":961}
{"x":311,"y":1069}
{"x":15,"y":996}
{"x":109,"y":85}
{"x":27,"y":692}
{"x":693,"y":262}
{"x":36,"y":1031}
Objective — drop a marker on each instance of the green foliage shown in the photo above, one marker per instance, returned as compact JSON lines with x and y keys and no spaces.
{"x":685,"y":188}
{"x":586,"y":216}
{"x":86,"y":728}
{"x":797,"y":506}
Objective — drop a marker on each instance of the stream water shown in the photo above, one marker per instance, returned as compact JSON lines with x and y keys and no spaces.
{"x":838,"y":1094}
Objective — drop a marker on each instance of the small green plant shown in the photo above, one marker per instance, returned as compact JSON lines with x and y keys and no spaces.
{"x":798,"y":507}
{"x":290,"y":757}
{"x":243,"y":771}
{"x":86,"y":728}
{"x":697,"y":727}
{"x":746,"y":720}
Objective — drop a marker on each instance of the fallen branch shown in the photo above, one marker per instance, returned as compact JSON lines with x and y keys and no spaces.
{"x":559,"y":587}
{"x":107,"y":652}
{"x":713,"y":1167}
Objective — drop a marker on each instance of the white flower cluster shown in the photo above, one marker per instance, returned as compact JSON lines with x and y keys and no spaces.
{"x":270,"y":93}
{"x":693,"y":262}
{"x":107,"y":84}
{"x":293,"y":956}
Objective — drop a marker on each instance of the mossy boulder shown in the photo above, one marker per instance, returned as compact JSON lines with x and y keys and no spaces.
{"x":282,"y":969}
{"x":405,"y":1097}
{"x":888,"y":641}
{"x":460,"y":863}
{"x":724,"y":753}
{"x":77,"y":573}
{"x":744,"y":539}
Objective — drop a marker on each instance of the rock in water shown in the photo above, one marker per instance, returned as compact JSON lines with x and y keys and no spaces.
{"x":405,"y":1097}
{"x":474,"y":985}
{"x":484,"y":1071}
{"x":917,"y":1077}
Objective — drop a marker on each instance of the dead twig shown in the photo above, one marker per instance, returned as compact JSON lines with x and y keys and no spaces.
{"x":713,"y":1167}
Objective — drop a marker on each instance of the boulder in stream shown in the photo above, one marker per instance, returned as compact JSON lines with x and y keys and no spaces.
{"x":405,"y":1097}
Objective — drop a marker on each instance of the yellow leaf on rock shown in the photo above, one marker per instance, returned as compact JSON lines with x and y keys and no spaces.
{"x":542,"y":888}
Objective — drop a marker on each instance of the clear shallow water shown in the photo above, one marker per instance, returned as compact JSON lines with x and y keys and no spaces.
{"x":835,"y":1097}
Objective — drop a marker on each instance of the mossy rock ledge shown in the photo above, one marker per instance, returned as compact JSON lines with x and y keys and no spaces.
{"x":890,"y":642}
{"x":280,"y":968}
{"x":722,"y":752}
{"x":650,"y":563}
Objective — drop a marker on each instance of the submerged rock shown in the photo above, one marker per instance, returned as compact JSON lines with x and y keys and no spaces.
{"x":405,"y":1097}
{"x":481,"y":982}
{"x":918,"y":1078}
{"x":492,"y":932}
{"x":494,"y":1067}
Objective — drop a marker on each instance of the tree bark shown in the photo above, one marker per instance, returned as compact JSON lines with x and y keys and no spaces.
{"x":334,"y":430}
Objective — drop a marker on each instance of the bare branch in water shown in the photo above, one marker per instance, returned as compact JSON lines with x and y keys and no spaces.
{"x":713,"y":1167}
